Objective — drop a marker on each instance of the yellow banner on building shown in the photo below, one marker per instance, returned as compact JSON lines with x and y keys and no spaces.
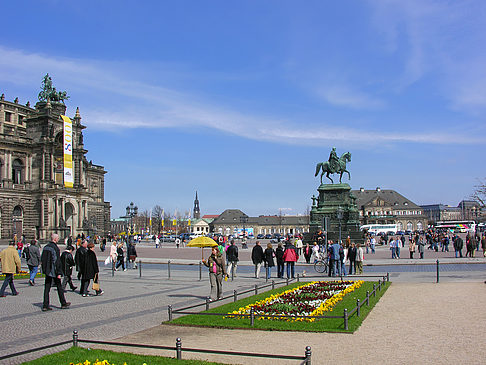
{"x":174,"y":222}
{"x":68,"y":152}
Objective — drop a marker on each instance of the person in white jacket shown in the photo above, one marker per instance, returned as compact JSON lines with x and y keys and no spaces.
{"x":359,"y":259}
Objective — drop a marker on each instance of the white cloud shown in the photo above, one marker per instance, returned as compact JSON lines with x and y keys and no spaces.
{"x":122,"y":102}
{"x":343,"y":95}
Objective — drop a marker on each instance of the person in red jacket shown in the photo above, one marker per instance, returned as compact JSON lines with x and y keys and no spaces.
{"x":290,"y":257}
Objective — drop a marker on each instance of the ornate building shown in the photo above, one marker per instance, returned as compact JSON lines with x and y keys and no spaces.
{"x":34,"y":199}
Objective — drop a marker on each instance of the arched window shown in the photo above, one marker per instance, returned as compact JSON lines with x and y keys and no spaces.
{"x":419,"y":226}
{"x":17,"y":171}
{"x":409,"y":226}
{"x":400,"y":226}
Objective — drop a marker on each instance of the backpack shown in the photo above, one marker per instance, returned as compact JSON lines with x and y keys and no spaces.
{"x":27,"y":253}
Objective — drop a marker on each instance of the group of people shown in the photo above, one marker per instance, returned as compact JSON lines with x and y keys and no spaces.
{"x":56,"y":266}
{"x":340,"y":254}
{"x":286,"y":253}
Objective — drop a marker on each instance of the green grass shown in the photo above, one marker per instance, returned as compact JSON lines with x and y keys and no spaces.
{"x":80,"y":355}
{"x":320,"y":325}
{"x":22,"y":276}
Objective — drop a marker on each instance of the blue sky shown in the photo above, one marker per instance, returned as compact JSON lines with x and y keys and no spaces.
{"x":240,"y":99}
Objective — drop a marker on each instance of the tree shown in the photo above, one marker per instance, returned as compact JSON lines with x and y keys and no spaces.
{"x":157,"y":215}
{"x":479,"y":193}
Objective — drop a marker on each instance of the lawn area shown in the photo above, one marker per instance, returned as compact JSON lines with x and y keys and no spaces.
{"x":22,"y":275}
{"x":79,"y":355}
{"x":319,"y":325}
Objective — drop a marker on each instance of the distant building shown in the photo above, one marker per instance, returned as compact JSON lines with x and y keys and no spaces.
{"x":440,"y":212}
{"x":381,"y":206}
{"x":196,"y":212}
{"x":232,"y":221}
{"x":33,"y":197}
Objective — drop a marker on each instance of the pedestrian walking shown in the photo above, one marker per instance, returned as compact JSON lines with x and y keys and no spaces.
{"x":67,"y":263}
{"x":32,"y":256}
{"x":80,"y":261}
{"x":132,"y":255}
{"x":232,"y":259}
{"x":411,"y":248}
{"x":119,"y":256}
{"x":359,"y":259}
{"x":51,"y":267}
{"x":257,"y":258}
{"x":10,"y":266}
{"x":113,"y":254}
{"x":269,"y":262}
{"x":217,"y":269}
{"x":421,"y":247}
{"x":290,"y":257}
{"x":307,"y":253}
{"x":299,"y":245}
{"x":483,"y":244}
{"x":279,"y":253}
{"x":91,"y":271}
{"x":352,"y":258}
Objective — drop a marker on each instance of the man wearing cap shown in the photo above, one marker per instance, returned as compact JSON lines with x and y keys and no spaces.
{"x":10,"y":266}
{"x":52,"y":268}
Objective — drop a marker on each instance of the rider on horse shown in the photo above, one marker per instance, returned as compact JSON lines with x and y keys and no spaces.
{"x":333,"y":160}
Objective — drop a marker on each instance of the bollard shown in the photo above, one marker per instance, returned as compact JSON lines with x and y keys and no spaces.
{"x":437,"y":270}
{"x":170,"y":312}
{"x":168,"y":269}
{"x":374,"y":290}
{"x":208,"y":299}
{"x":266,"y":278}
{"x":75,"y":338}
{"x":256,"y":289}
{"x":345,"y":319}
{"x":298,"y":278}
{"x":287,"y":281}
{"x":273,"y":284}
{"x":358,"y":308}
{"x":200,"y":270}
{"x":387,"y":276}
{"x":252,"y":317}
{"x":308,"y":355}
{"x":367,"y":297}
{"x":140,"y":268}
{"x":235,"y":295}
{"x":178,"y":348}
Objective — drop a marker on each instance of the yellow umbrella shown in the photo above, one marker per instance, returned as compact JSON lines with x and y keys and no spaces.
{"x":202,"y":242}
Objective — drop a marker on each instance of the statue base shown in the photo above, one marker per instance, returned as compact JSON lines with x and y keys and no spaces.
{"x":336,"y":214}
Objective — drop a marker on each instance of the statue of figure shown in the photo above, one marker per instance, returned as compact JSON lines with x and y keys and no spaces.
{"x":50,"y":92}
{"x":333,"y":161}
{"x":314,"y":199}
{"x":338,"y":168}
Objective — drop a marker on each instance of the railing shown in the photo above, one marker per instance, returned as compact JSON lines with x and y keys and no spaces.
{"x":252,"y":315}
{"x":304,"y":360}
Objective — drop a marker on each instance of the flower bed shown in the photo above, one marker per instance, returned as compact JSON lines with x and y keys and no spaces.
{"x":22,"y":275}
{"x":311,"y":299}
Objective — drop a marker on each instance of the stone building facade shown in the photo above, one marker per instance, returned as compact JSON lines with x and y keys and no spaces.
{"x":33,"y":198}
{"x":382,"y":206}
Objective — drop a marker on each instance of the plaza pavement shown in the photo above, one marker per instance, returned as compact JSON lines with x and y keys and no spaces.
{"x":133,"y":308}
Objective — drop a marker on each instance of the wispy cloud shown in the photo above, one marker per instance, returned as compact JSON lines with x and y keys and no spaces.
{"x":115,"y":100}
{"x":344,"y":95}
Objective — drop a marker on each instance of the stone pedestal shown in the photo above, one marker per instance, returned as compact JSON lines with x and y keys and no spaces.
{"x":334,"y":197}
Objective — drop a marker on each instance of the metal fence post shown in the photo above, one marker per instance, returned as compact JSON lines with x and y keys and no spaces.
{"x":178,"y":348}
{"x":256,"y":289}
{"x":374,"y":290}
{"x":140,"y":268}
{"x":287,"y":281}
{"x":387,"y":276}
{"x":75,"y":338}
{"x":235,"y":295}
{"x":345,"y":319}
{"x":208,"y":300}
{"x":367,"y":297}
{"x":298,"y":278}
{"x":170,"y":312}
{"x":273,"y":284}
{"x":200,"y":270}
{"x":437,"y":270}
{"x":168,"y":269}
{"x":358,"y":308}
{"x":379,"y":284}
{"x":308,"y":355}
{"x":252,"y":317}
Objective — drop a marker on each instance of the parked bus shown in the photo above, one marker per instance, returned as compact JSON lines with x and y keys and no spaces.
{"x":380,"y":228}
{"x":457,"y":226}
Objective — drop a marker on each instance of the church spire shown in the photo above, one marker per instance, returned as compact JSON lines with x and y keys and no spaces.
{"x":196,"y":212}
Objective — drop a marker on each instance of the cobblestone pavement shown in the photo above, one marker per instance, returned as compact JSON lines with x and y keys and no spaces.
{"x":132,"y":304}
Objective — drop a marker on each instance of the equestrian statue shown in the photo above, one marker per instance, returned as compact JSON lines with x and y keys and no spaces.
{"x":334,"y":165}
{"x":50,"y":93}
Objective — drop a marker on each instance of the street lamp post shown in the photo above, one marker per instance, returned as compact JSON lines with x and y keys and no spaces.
{"x":339,"y":214}
{"x":132,"y":211}
{"x":243,"y":220}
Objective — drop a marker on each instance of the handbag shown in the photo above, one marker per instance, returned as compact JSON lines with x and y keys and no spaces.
{"x":96,"y":285}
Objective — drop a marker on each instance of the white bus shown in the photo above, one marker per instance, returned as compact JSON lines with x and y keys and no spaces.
{"x":457,"y":226}
{"x":380,"y":228}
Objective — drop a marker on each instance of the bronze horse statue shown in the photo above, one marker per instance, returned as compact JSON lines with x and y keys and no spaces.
{"x":341,"y":167}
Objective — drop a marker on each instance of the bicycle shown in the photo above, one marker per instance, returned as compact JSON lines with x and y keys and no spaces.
{"x":321,"y":265}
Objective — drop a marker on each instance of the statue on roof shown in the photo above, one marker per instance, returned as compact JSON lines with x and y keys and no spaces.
{"x":49,"y":92}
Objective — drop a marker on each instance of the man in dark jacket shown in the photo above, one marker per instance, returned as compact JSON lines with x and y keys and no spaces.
{"x":67,"y":263}
{"x":257,"y":258}
{"x":51,"y":266}
{"x":80,"y":266}
{"x":279,"y":253}
{"x":352,"y":258}
{"x":458,"y":243}
{"x":232,"y":259}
